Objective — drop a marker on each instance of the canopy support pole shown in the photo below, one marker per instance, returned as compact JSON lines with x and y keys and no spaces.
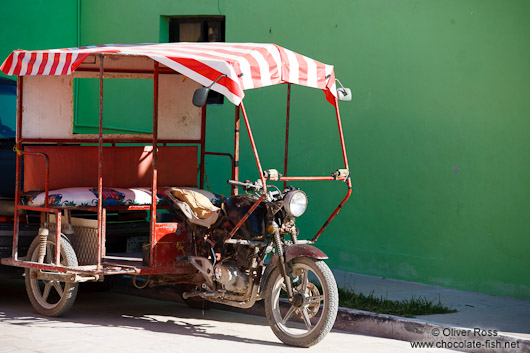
{"x":287,"y":117}
{"x":154,"y":186}
{"x":348,"y":179}
{"x":235,"y":171}
{"x":18,"y":180}
{"x":203,"y":143}
{"x":260,"y":171}
{"x":100,"y":165}
{"x":254,"y":149}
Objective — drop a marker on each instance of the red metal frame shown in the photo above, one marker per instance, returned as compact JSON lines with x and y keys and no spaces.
{"x":300,"y":178}
{"x":154,"y":189}
{"x":108,"y":140}
{"x":287,"y":117}
{"x":235,"y":168}
{"x":100,"y":162}
{"x":253,"y":146}
{"x":203,"y":144}
{"x":157,"y":230}
{"x":18,"y":180}
{"x":224,"y":154}
{"x":348,"y":179}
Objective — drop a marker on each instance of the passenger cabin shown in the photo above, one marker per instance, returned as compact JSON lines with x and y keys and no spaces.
{"x":64,"y":170}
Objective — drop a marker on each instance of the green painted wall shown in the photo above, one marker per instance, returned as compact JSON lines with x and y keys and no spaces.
{"x":437,"y":133}
{"x":37,"y":24}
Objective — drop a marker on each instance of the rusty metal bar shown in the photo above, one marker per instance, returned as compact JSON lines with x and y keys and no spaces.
{"x":242,"y":220}
{"x":324,"y":178}
{"x":104,"y":234}
{"x":38,"y":209}
{"x":287,"y":118}
{"x":107,"y":140}
{"x":154,"y":187}
{"x":254,"y":149}
{"x":224,"y":154}
{"x":235,"y":171}
{"x":18,"y":170}
{"x":348,"y":180}
{"x":100,"y":162}
{"x":58,"y":219}
{"x":162,"y":70}
{"x":89,"y":208}
{"x":107,"y":269}
{"x":46,"y":177}
{"x":35,"y":265}
{"x":203,"y":144}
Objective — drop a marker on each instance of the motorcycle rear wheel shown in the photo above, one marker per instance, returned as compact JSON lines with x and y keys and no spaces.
{"x":308,"y":319}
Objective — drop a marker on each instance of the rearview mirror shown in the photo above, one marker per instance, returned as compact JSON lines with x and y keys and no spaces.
{"x":200,"y":96}
{"x":344,"y":94}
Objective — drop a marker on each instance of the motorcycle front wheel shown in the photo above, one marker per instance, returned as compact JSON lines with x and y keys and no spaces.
{"x":310,"y":316}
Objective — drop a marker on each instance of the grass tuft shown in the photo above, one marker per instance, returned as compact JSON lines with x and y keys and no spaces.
{"x":405,"y":308}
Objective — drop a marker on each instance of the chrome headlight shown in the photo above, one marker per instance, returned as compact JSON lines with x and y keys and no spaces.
{"x":295,"y":203}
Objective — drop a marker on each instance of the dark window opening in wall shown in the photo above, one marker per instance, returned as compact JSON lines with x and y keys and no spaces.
{"x":199,"y":29}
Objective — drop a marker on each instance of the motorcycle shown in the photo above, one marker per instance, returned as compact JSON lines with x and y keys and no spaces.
{"x":298,"y":288}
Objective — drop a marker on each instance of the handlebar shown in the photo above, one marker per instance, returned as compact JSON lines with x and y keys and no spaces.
{"x":245,"y":185}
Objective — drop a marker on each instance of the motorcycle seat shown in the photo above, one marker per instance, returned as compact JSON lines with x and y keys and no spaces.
{"x":196,"y":205}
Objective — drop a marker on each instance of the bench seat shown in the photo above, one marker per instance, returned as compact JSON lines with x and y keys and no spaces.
{"x":86,"y":197}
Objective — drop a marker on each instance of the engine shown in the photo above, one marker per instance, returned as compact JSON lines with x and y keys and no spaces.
{"x":231,"y":277}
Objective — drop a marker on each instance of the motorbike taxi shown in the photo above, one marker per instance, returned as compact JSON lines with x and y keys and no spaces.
{"x":231,"y":250}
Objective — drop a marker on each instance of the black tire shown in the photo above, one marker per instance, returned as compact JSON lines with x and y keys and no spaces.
{"x":60,"y":296}
{"x":286,"y":326}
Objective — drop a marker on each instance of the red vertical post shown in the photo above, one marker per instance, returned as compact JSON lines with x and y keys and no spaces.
{"x":104,"y":234}
{"x":100,"y":163}
{"x":341,"y":135}
{"x":203,"y":144}
{"x":348,"y":179}
{"x":18,"y":176}
{"x":287,"y":117}
{"x":58,"y":220}
{"x":254,"y":149}
{"x":235,"y":171}
{"x":154,"y":187}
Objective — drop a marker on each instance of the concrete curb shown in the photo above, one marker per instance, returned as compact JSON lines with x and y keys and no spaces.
{"x":378,"y":325}
{"x":416,"y":330}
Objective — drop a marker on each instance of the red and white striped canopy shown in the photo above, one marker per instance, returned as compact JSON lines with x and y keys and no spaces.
{"x":246,"y":65}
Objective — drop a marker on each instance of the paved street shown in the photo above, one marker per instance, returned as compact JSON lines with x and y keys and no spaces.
{"x":112,"y":322}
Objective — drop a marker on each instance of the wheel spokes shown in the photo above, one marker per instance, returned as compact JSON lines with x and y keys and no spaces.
{"x":304,"y":282}
{"x":290,"y":313}
{"x":58,"y":288}
{"x":306,"y":318}
{"x":46,"y":291}
{"x":315,"y":299}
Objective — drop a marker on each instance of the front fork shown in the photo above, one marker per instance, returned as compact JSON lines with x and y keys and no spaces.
{"x":283,"y":268}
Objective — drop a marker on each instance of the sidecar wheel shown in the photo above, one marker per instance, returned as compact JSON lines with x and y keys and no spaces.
{"x":309,"y":318}
{"x":51,"y":298}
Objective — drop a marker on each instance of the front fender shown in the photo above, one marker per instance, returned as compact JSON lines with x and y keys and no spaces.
{"x":303,"y":250}
{"x":291,"y":252}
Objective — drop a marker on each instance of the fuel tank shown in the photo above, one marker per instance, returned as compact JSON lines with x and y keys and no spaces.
{"x":236,"y":207}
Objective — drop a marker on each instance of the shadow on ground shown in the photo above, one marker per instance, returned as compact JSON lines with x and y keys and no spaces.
{"x":110,"y":309}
